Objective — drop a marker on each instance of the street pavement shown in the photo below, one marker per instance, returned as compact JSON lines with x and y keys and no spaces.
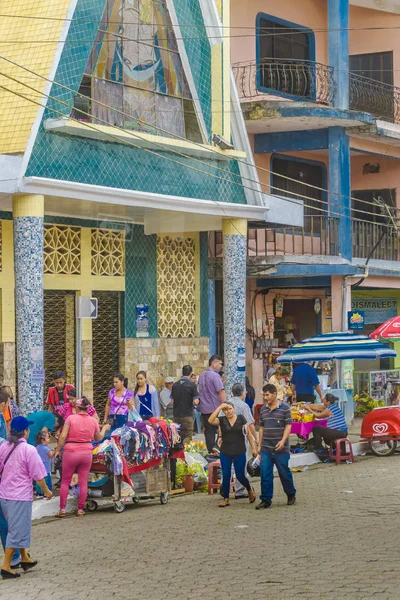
{"x":339,"y":542}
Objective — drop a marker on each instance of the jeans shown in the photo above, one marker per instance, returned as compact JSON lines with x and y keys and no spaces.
{"x":49,"y":484}
{"x":281,"y":460}
{"x":3,"y":537}
{"x":197,"y":420}
{"x":239,"y":464}
{"x":326,"y":434}
{"x":210,"y":432}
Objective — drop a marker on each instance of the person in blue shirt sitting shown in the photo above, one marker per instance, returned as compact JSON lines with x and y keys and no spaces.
{"x":336,"y":427}
{"x":304,"y":381}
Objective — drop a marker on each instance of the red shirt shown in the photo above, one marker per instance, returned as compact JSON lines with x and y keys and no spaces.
{"x":53,"y":396}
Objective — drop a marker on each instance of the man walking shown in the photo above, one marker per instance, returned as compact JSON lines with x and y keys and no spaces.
{"x":273,"y":447}
{"x":212,"y":394}
{"x":303,"y":382}
{"x":185,"y":395}
{"x":241,"y":408}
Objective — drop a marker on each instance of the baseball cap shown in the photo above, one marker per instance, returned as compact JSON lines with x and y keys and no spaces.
{"x":19,"y":424}
{"x":169,"y":380}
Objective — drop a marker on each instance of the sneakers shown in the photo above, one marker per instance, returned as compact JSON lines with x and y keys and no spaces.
{"x":263,"y":505}
{"x":291,"y":499}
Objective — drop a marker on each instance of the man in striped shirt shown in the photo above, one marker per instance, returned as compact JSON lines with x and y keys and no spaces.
{"x":273,"y":447}
{"x":336,"y":427}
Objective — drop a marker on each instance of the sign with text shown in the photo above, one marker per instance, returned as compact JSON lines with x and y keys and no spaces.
{"x":376,"y":310}
{"x":356,"y":319}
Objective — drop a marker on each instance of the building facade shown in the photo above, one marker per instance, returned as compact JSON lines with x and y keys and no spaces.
{"x":318,"y":85}
{"x":122,"y":145}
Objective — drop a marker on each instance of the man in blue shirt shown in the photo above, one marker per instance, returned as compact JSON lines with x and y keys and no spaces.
{"x":303,"y":382}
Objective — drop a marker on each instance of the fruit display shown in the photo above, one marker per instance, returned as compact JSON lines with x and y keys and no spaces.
{"x":365,"y":403}
{"x":300,"y":415}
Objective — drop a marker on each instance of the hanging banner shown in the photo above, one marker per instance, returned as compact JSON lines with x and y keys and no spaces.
{"x":356,"y":319}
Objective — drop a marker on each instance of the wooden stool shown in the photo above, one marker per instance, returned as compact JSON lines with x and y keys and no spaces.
{"x":338,"y":456}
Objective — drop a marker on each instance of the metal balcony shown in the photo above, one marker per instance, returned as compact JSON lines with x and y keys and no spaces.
{"x":288,"y":77}
{"x":380,"y":99}
{"x":318,"y":237}
{"x":366,"y":235}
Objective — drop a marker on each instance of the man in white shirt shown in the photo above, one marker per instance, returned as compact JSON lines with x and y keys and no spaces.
{"x":166,"y":402}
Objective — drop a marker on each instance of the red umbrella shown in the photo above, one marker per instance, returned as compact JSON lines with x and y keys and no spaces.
{"x":389,"y":330}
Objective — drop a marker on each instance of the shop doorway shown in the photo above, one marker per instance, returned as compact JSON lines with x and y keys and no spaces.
{"x":299,"y":321}
{"x":105,"y":346}
{"x":59,"y":334}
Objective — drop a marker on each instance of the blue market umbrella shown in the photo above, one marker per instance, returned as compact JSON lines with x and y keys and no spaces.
{"x":336,"y":345}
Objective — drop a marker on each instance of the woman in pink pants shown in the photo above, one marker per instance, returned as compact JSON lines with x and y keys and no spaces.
{"x":78,"y":432}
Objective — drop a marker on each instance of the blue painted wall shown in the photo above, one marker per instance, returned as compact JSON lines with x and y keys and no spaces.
{"x":340,"y":186}
{"x":338,"y":49}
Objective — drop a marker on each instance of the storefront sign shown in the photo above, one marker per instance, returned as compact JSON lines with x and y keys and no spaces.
{"x":348,"y":368}
{"x":328,"y":309}
{"x":356,"y":319}
{"x":142,"y":321}
{"x":376,"y":310}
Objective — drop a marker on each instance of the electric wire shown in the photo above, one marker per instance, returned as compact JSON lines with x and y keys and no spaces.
{"x":175,"y":136}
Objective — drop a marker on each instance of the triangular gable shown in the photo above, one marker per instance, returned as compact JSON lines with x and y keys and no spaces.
{"x":139,"y":68}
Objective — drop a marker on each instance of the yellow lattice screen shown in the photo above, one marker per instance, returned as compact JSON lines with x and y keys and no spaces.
{"x":108,"y":252}
{"x":176,"y":286}
{"x":62,"y":250}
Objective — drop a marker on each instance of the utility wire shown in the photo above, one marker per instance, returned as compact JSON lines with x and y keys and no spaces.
{"x":135,"y":134}
{"x":118,"y":139}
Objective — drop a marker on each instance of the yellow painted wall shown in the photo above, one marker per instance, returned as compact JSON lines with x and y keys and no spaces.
{"x":19,"y":42}
{"x":83,"y":284}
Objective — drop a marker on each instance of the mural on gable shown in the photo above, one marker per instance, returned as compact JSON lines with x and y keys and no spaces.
{"x":135,"y":69}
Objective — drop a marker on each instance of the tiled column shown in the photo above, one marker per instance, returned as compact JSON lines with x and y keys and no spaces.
{"x":234,"y":276}
{"x":28,"y":216}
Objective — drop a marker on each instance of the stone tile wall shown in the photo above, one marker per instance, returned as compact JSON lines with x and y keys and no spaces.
{"x":7,"y":364}
{"x":162,"y":357}
{"x":87,"y":369}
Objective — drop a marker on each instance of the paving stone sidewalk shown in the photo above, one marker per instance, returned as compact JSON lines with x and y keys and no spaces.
{"x":340,"y":542}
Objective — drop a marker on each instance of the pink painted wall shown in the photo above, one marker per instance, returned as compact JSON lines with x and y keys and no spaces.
{"x":309,"y":13}
{"x":379,"y":40}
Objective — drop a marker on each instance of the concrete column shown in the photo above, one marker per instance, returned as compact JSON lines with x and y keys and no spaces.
{"x":340,"y":187}
{"x":338,"y":49}
{"x":234,"y":275}
{"x":28,"y":217}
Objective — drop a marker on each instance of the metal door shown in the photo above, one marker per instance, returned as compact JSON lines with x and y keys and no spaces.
{"x":59,"y":334}
{"x":105,"y":350}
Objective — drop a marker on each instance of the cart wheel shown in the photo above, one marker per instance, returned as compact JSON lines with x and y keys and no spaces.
{"x":119,"y":507}
{"x":91,"y":505}
{"x":383,"y":448}
{"x":164,"y":497}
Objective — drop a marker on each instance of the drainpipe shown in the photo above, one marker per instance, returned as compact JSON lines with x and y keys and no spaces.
{"x":344,"y":304}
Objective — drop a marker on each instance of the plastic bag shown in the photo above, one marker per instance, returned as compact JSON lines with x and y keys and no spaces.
{"x":194,"y":457}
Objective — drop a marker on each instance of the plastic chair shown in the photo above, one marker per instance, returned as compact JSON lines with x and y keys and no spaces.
{"x":338,"y":456}
{"x":213,"y":482}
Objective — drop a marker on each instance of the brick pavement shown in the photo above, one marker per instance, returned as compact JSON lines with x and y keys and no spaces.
{"x":331,"y":545}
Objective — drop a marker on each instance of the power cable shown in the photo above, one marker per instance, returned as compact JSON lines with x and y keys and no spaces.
{"x":324,"y":202}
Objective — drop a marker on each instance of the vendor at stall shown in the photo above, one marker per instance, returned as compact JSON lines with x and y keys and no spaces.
{"x":303,"y":382}
{"x":336,"y":426}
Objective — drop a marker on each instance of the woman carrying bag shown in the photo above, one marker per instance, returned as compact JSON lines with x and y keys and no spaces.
{"x":20,"y":464}
{"x":119,"y":403}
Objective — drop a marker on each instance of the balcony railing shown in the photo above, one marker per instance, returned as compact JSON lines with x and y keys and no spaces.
{"x":289,"y":77}
{"x":380,"y":99}
{"x":320,"y":237}
{"x":366,"y":235}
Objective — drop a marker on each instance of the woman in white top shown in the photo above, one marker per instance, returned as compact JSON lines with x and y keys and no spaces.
{"x":278,"y":380}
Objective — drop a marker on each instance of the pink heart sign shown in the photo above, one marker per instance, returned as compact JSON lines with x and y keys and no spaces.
{"x":380,"y":427}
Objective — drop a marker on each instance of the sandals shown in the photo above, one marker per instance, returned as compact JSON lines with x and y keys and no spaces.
{"x":80,"y":513}
{"x":252,"y":496}
{"x":224,"y":502}
{"x":61,"y":514}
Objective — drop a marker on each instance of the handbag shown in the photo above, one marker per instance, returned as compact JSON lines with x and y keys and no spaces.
{"x":6,"y":459}
{"x":113,"y":419}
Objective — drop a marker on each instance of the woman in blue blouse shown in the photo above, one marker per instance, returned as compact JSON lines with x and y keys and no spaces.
{"x":146,"y":397}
